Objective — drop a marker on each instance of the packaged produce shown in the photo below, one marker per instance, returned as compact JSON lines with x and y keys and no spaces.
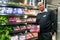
{"x":23,"y":27}
{"x":35,"y":34}
{"x":14,"y":37}
{"x":18,"y":19}
{"x":2,"y":10}
{"x":33,"y":19}
{"x":34,"y":28}
{"x":29,"y":35}
{"x":8,"y":10}
{"x":12,"y":19}
{"x":15,"y":10}
{"x":16,"y":28}
{"x":31,"y":11}
{"x":22,"y":37}
{"x":23,"y":4}
{"x":26,"y":11}
{"x":29,"y":26}
{"x":22,"y":20}
{"x":13,"y":3}
{"x":29,"y":20}
{"x":20,"y":11}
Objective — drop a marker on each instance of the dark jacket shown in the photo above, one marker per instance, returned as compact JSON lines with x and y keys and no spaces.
{"x":47,"y":21}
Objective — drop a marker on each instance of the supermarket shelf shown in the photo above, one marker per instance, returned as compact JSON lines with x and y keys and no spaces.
{"x":32,"y":38}
{"x":12,"y":14}
{"x":20,"y":6}
{"x":17,"y":32}
{"x":13,"y":23}
{"x":17,"y":15}
{"x":18,"y":23}
{"x":31,"y":22}
{"x":31,"y":15}
{"x":28,"y":30}
{"x":13,"y":6}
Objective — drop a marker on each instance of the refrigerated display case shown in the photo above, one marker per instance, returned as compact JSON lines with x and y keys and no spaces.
{"x":18,"y":17}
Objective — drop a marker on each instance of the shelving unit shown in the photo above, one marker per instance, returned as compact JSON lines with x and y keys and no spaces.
{"x":13,"y":24}
{"x":19,"y":6}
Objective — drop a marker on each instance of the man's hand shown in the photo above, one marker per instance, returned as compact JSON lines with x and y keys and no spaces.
{"x":50,"y":33}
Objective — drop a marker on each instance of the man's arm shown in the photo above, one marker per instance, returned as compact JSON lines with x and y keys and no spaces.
{"x":54,"y":22}
{"x":37,"y":19}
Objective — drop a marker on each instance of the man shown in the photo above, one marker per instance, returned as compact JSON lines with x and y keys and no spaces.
{"x":47,"y":21}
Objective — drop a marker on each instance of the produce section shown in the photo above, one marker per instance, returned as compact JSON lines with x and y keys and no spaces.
{"x":16,"y":22}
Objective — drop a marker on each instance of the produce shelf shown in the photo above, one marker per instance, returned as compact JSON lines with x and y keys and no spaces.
{"x":12,"y":14}
{"x":31,"y":15}
{"x":31,"y":23}
{"x":17,"y":32}
{"x":23,"y":14}
{"x":32,"y":38}
{"x":13,"y":23}
{"x":17,"y":15}
{"x":17,"y":23}
{"x":14,"y":6}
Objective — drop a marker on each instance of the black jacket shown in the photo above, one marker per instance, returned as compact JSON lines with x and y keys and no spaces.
{"x":47,"y":21}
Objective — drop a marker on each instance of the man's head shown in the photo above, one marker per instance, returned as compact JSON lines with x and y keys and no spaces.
{"x":40,"y":6}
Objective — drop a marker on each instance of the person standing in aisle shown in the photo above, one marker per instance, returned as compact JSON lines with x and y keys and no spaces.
{"x":47,"y":21}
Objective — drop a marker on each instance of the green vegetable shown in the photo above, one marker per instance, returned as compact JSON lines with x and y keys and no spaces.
{"x":3,"y":19}
{"x":4,"y":32}
{"x":13,"y":3}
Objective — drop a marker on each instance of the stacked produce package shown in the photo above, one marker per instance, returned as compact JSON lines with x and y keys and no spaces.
{"x":17,"y":21}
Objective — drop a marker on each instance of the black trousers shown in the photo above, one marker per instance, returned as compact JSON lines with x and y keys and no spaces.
{"x":44,"y":36}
